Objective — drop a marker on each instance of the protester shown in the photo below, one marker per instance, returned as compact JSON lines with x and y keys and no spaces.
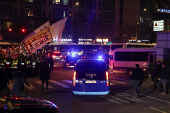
{"x":164,"y":79}
{"x":19,"y":81}
{"x":44,"y":76}
{"x":51,"y":63}
{"x":157,"y":74}
{"x":137,"y":77}
{"x":3,"y":81}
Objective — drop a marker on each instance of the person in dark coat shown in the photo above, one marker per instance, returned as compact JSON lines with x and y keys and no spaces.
{"x":164,"y":79}
{"x":137,"y":77}
{"x":51,"y":63}
{"x":3,"y":80}
{"x":157,"y":73}
{"x":44,"y":76}
{"x":19,"y":81}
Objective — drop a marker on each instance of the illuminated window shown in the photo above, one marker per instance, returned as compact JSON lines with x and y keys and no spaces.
{"x":64,"y":14}
{"x":29,"y":11}
{"x":65,"y":2}
{"x":8,"y":24}
{"x":156,"y":5}
{"x":28,"y":0}
{"x":56,"y":1}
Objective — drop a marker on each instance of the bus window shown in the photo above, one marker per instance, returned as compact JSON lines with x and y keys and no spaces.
{"x":113,"y":47}
{"x":122,"y":56}
{"x":139,"y":56}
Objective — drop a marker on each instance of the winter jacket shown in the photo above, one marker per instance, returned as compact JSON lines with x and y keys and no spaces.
{"x":158,"y":71}
{"x":165,"y":74}
{"x":138,"y":74}
{"x":45,"y":71}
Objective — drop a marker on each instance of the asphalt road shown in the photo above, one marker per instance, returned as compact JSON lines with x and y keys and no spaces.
{"x":121,"y":98}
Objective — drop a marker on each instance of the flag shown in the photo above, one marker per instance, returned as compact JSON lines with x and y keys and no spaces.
{"x":45,"y":25}
{"x":31,"y":44}
{"x":58,"y":29}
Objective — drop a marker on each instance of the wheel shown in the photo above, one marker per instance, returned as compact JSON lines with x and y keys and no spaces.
{"x":129,"y":72}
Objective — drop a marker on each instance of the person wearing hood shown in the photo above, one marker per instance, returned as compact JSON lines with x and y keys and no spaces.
{"x":19,"y":81}
{"x":164,"y":79}
{"x":157,"y":73}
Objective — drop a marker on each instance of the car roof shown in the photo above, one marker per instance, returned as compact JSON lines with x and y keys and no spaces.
{"x":90,"y":60}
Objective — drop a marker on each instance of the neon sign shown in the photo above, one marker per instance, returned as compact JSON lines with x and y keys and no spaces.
{"x":164,"y":10}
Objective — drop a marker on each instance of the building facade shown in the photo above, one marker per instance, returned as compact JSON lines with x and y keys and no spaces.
{"x":155,"y":10}
{"x":114,"y":20}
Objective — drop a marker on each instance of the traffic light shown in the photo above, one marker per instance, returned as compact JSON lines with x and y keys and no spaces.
{"x":167,"y":27}
{"x":23,"y":30}
{"x":9,"y":29}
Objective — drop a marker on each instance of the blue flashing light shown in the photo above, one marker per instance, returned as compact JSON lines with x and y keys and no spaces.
{"x":73,"y":54}
{"x":100,"y":57}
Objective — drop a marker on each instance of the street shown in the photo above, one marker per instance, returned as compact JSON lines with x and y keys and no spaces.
{"x":121,"y":99}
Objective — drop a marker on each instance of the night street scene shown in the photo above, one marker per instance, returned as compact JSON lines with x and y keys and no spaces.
{"x":84,"y":56}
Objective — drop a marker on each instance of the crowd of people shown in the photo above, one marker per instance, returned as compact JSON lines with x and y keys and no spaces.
{"x":160,"y":78}
{"x":26,"y":67}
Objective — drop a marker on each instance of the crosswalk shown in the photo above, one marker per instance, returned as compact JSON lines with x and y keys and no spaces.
{"x":64,"y":83}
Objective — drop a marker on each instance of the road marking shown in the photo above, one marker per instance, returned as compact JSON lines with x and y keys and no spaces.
{"x":31,"y":86}
{"x":60,"y":84}
{"x":40,"y":82}
{"x":157,"y":110}
{"x":116,"y":78}
{"x":122,"y":94}
{"x":114,"y":101}
{"x":10,"y":86}
{"x":157,"y":99}
{"x":119,"y":82}
{"x":118,"y":99}
{"x":133,"y":99}
{"x":68,"y":81}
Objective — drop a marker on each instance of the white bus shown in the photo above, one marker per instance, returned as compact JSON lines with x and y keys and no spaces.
{"x":131,"y":45}
{"x":124,"y":59}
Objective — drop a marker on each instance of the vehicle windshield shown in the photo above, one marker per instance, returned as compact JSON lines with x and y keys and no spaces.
{"x":91,"y":70}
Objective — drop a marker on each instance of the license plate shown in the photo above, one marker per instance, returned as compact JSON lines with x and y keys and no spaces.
{"x":90,"y":81}
{"x":71,"y":66}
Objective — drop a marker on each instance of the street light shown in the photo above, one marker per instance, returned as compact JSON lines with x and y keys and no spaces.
{"x":72,"y":20}
{"x":144,"y":10}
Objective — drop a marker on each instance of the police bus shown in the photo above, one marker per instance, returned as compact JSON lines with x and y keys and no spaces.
{"x":131,"y":45}
{"x":124,"y":59}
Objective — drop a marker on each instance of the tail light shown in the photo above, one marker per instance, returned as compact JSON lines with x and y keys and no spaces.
{"x":57,"y":52}
{"x":75,"y":64}
{"x":74,"y":79}
{"x":53,"y":56}
{"x":107,"y":78}
{"x":67,"y":64}
{"x":61,"y":56}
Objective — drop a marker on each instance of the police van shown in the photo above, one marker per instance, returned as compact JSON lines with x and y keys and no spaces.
{"x":91,"y":77}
